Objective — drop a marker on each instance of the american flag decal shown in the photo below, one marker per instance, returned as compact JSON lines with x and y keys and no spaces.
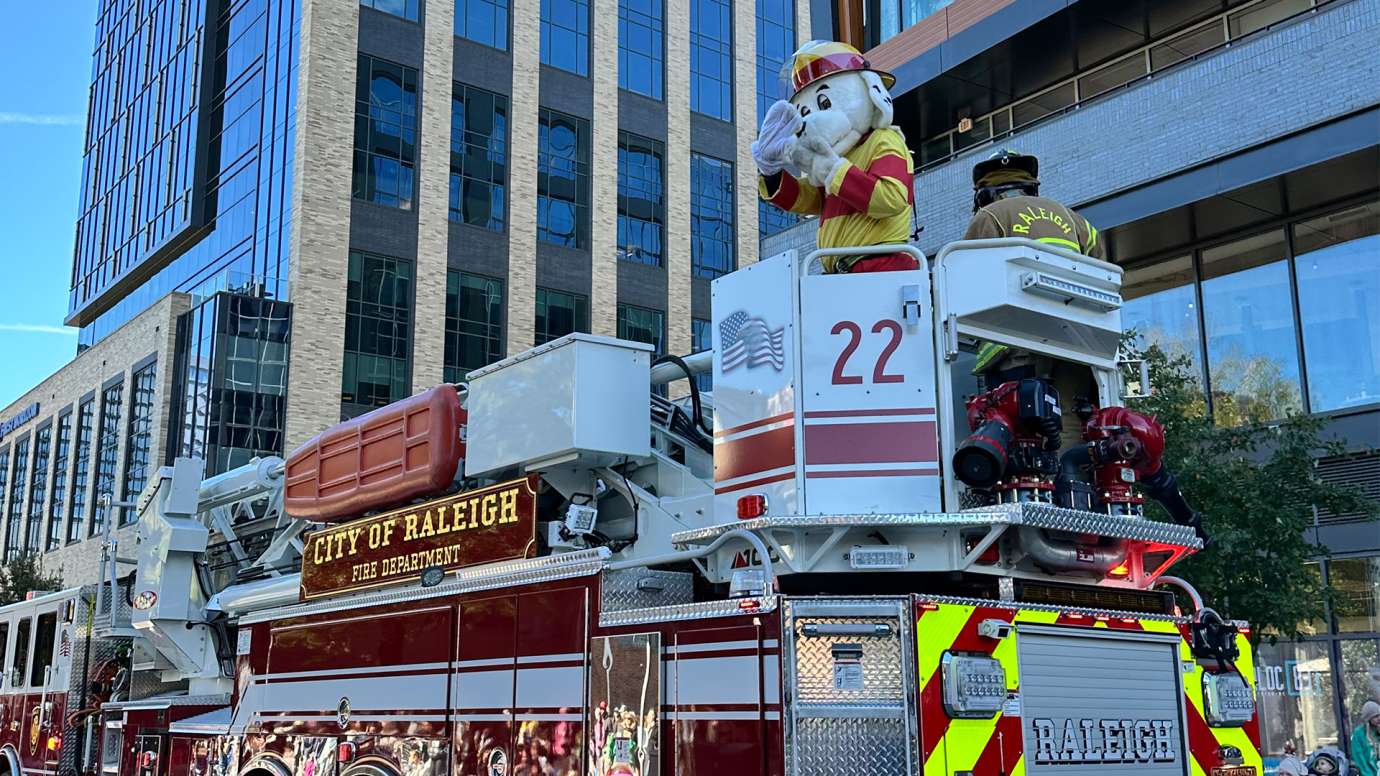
{"x":748,"y":340}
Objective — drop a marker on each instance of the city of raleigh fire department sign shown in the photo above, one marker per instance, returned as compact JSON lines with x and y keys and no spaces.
{"x":465,"y":529}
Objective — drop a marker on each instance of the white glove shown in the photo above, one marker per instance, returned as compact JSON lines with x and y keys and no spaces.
{"x":816,"y":159}
{"x":774,"y":144}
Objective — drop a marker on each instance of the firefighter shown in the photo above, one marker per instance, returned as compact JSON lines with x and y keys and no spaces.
{"x":1007,"y":203}
{"x":832,"y":151}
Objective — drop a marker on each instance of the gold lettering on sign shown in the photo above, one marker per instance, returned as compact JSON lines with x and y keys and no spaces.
{"x":489,"y":524}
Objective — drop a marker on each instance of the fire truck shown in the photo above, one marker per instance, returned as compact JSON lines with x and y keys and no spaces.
{"x":859,"y":553}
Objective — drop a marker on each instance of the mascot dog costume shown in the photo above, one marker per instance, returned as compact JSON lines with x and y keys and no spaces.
{"x":832,"y":151}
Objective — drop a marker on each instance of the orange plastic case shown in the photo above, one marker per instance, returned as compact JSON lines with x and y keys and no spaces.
{"x":409,"y":449}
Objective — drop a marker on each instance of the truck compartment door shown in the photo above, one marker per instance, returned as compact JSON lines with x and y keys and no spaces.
{"x":849,"y":667}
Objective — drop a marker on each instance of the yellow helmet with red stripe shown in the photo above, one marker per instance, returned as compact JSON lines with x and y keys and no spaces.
{"x":820,"y":58}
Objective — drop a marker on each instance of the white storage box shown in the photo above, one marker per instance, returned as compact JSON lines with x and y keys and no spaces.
{"x":580,"y":399}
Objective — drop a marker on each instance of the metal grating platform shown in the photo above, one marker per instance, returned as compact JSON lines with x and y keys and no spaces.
{"x":1043,"y":516}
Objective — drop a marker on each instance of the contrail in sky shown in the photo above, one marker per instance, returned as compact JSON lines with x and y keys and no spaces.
{"x":41,"y":119}
{"x":38,"y":328}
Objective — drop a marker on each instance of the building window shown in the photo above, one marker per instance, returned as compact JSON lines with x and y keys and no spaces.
{"x":565,"y":35}
{"x":1162,"y":309}
{"x":563,"y":179}
{"x":18,"y":479}
{"x":57,"y":506}
{"x":775,"y":45}
{"x":230,"y":380}
{"x":712,"y":236}
{"x":1337,"y":265}
{"x":406,"y":9}
{"x":81,"y":469}
{"x":711,"y":58}
{"x":378,"y":318}
{"x":108,"y":450}
{"x":1295,"y":697}
{"x":474,"y":323}
{"x":483,"y":21}
{"x":478,"y":157}
{"x":559,"y":314}
{"x":385,"y":132}
{"x":702,"y":339}
{"x":1252,"y":350}
{"x":772,"y":219}
{"x":640,"y":324}
{"x":38,"y":489}
{"x":137,"y":453}
{"x":641,"y":47}
{"x":892,"y":16}
{"x":641,"y":198}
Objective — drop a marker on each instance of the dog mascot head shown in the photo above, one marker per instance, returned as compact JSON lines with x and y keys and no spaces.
{"x":839,"y":96}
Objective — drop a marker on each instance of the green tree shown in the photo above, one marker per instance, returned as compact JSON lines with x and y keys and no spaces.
{"x":23,"y":574}
{"x":1256,"y":485}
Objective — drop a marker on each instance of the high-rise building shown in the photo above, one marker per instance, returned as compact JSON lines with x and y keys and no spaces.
{"x":1227,"y":150}
{"x":294,"y":211}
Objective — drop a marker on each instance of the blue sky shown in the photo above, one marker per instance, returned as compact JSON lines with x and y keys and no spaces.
{"x":45,"y":48}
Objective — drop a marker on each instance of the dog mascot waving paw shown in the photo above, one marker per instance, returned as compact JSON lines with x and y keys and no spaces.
{"x":832,"y":151}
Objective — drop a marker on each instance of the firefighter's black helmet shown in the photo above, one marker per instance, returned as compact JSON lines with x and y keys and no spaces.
{"x":1004,"y":173}
{"x":1007,"y":159}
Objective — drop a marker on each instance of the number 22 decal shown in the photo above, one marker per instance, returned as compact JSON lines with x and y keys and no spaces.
{"x":854,"y":332}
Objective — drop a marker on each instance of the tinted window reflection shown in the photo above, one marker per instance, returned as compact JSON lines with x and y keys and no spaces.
{"x":1161,"y":309}
{"x":1337,"y":261}
{"x":1251,"y":343}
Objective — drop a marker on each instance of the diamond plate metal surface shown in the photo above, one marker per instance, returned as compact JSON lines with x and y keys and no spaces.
{"x":1044,"y":516}
{"x":814,"y":664}
{"x":642,"y":588}
{"x":848,"y":747}
{"x":695,"y":611}
{"x":845,"y":721}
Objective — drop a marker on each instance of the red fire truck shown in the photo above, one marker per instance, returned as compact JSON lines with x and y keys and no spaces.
{"x":857,"y":554}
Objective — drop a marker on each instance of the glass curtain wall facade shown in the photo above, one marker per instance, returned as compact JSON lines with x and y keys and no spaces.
{"x":1281,"y":321}
{"x":188,"y":156}
{"x":1306,"y":687}
{"x":640,"y":324}
{"x":230,"y":380}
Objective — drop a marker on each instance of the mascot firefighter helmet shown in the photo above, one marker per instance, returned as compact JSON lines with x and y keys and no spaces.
{"x":839,"y":95}
{"x":1005,"y":173}
{"x":820,"y":58}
